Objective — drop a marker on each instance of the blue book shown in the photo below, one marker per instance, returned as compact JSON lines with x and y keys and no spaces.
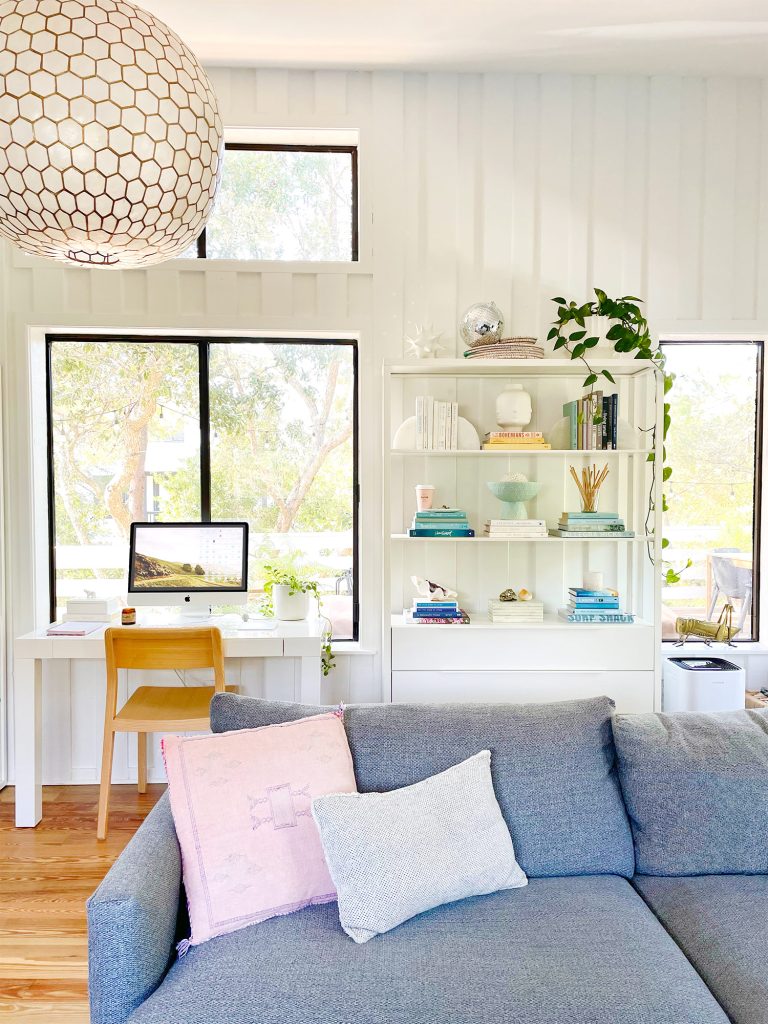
{"x":580,"y":591}
{"x":435,"y":604}
{"x":587,"y":606}
{"x":436,"y":615}
{"x":594,"y":599}
{"x":441,"y":513}
{"x":463,"y":522}
{"x":447,"y":532}
{"x":604,"y":616}
{"x":586,"y":516}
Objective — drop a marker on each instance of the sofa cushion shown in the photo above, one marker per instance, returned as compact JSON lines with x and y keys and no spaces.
{"x":552,"y":764}
{"x":560,"y":951}
{"x":721,"y":924}
{"x":695,"y":790}
{"x":394,"y":855}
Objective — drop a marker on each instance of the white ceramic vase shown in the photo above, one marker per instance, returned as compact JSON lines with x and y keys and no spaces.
{"x":513,"y":408}
{"x":287,"y":606}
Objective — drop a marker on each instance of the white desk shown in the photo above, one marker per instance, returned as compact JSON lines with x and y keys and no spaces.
{"x":302,"y":640}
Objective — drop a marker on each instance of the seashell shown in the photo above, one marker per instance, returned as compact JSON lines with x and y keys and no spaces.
{"x":525,"y":595}
{"x":508,"y":595}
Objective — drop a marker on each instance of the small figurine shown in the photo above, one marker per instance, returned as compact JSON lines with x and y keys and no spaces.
{"x":524,"y":595}
{"x":508,"y":595}
{"x":721,"y":631}
{"x":426,"y":344}
{"x":435,"y":592}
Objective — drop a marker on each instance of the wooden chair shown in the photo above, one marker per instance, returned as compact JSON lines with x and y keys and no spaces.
{"x":156,"y":708}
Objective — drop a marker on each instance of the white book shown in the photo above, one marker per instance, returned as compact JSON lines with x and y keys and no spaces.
{"x":88,"y":617}
{"x":430,"y":433}
{"x":515,"y":524}
{"x":440,"y":438}
{"x":455,"y":426}
{"x":448,"y":425}
{"x":72,"y":628}
{"x":420,"y":423}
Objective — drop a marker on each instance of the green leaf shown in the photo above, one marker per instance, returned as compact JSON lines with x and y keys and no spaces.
{"x":559,"y":343}
{"x":608,"y":376}
{"x":578,"y":351}
{"x":579,"y":320}
{"x":591,"y":379}
{"x":615,"y":333}
{"x":600,"y":294}
{"x":631,"y":298}
{"x":577,"y":335}
{"x":552,"y":333}
{"x":651,"y":457}
{"x":560,"y":301}
{"x":591,"y":342}
{"x":666,"y":473}
{"x":664,"y":543}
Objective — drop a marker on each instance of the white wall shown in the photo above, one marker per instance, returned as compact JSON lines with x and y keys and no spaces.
{"x":508,"y":187}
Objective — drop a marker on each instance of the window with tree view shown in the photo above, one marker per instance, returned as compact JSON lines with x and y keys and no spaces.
{"x":277,"y":424}
{"x":283,"y":203}
{"x":713,"y":447}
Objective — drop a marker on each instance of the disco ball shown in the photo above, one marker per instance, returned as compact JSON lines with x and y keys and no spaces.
{"x":482,"y":324}
{"x":110,"y":134}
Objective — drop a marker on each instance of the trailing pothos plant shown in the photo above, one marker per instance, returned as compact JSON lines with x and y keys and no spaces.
{"x":296,"y":585}
{"x":629,"y":332}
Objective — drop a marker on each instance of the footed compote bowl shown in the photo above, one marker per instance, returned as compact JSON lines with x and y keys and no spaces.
{"x":513,"y":495}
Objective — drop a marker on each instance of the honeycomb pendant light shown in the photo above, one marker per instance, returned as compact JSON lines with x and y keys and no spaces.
{"x":110,"y":135}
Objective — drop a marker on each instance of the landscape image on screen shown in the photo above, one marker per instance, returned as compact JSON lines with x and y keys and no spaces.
{"x":188,"y":558}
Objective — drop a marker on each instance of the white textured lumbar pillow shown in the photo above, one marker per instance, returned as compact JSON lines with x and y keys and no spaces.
{"x":394,"y":855}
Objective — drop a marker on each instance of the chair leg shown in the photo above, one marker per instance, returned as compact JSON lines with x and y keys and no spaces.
{"x":142,"y":763}
{"x":713,"y":603}
{"x":106,"y":780}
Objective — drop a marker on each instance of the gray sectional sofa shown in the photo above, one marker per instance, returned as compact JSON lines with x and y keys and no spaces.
{"x":645,"y":839}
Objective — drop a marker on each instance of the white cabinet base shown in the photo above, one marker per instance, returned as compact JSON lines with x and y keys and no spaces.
{"x":632,"y":691}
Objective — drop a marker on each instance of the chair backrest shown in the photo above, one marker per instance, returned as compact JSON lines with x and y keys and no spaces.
{"x":733,"y":580}
{"x":135,"y":647}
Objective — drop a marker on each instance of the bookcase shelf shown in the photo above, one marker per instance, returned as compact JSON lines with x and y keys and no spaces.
{"x":480,"y":660}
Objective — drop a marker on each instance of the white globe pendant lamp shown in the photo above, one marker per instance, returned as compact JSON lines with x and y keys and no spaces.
{"x":110,"y":134}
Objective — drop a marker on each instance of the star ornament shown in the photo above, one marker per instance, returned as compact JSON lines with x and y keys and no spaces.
{"x":425,"y":344}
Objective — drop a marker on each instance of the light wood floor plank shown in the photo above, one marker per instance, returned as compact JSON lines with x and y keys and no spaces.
{"x":46,"y":875}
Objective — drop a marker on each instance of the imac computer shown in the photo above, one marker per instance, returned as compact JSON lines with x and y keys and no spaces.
{"x":193,"y":565}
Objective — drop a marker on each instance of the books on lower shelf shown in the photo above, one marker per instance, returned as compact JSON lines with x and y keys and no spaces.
{"x":441,"y":522}
{"x":515,"y":529}
{"x":435,"y":613}
{"x":591,"y":525}
{"x":593,"y":422}
{"x":437,"y":424}
{"x":515,"y":440}
{"x":515,"y":611}
{"x":594,"y":606}
{"x":591,"y":616}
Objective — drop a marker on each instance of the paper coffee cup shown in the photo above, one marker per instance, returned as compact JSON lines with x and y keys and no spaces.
{"x":424,"y":496}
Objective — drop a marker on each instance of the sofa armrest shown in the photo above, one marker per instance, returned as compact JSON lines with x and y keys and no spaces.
{"x":132,"y":920}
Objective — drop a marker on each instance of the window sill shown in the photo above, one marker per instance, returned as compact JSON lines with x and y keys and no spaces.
{"x":351,"y":647}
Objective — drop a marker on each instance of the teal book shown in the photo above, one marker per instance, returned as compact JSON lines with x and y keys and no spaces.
{"x":448,"y":531}
{"x":571,"y":413}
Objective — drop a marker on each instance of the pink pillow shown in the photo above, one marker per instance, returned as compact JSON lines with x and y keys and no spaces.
{"x":242,"y":807}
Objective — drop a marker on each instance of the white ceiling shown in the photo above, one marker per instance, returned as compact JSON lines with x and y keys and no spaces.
{"x":581,"y":36}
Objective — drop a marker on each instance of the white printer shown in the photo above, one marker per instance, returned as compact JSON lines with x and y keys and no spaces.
{"x":702,"y":684}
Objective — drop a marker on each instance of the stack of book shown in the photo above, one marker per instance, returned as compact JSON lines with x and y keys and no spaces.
{"x":516,"y":611}
{"x":437,"y":424}
{"x":515,"y":440}
{"x":592,"y":525}
{"x":594,"y":606}
{"x":436,"y":613}
{"x":594,"y":422}
{"x":441,"y":522}
{"x":507,"y":348}
{"x":515,"y":529}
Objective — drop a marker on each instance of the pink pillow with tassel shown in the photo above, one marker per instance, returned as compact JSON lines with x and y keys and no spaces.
{"x":242,"y":807}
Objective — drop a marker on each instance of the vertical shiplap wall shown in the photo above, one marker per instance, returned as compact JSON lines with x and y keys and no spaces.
{"x":509,"y":187}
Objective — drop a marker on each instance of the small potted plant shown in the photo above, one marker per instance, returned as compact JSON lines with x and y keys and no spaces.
{"x":287,"y":594}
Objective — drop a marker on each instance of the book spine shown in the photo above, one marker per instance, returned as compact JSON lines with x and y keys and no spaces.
{"x":573,"y":416}
{"x":455,"y":427}
{"x":429,"y":402}
{"x":614,"y":421}
{"x":449,"y":532}
{"x":420,"y":423}
{"x":606,"y":435}
{"x":594,"y":534}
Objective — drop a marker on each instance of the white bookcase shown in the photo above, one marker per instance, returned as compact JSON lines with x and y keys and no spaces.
{"x":553,"y":660}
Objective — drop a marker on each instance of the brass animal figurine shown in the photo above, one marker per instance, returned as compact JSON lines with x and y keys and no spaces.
{"x":721,"y":631}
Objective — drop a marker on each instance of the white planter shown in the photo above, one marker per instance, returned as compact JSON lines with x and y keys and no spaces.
{"x":287,"y":606}
{"x":513,"y":407}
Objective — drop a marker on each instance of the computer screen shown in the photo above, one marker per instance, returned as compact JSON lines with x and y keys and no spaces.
{"x":173,"y":558}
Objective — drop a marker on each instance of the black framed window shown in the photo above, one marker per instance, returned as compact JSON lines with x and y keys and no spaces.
{"x":180,"y":429}
{"x":714,"y":446}
{"x":280,"y":202}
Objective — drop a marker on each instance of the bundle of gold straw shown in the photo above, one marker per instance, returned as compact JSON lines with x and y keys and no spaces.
{"x":591,"y":481}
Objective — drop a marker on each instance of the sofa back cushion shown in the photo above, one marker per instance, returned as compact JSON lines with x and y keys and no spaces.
{"x":696,"y":790}
{"x":553,"y":768}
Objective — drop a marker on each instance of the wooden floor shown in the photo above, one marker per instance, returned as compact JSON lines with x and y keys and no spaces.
{"x":46,"y":874}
